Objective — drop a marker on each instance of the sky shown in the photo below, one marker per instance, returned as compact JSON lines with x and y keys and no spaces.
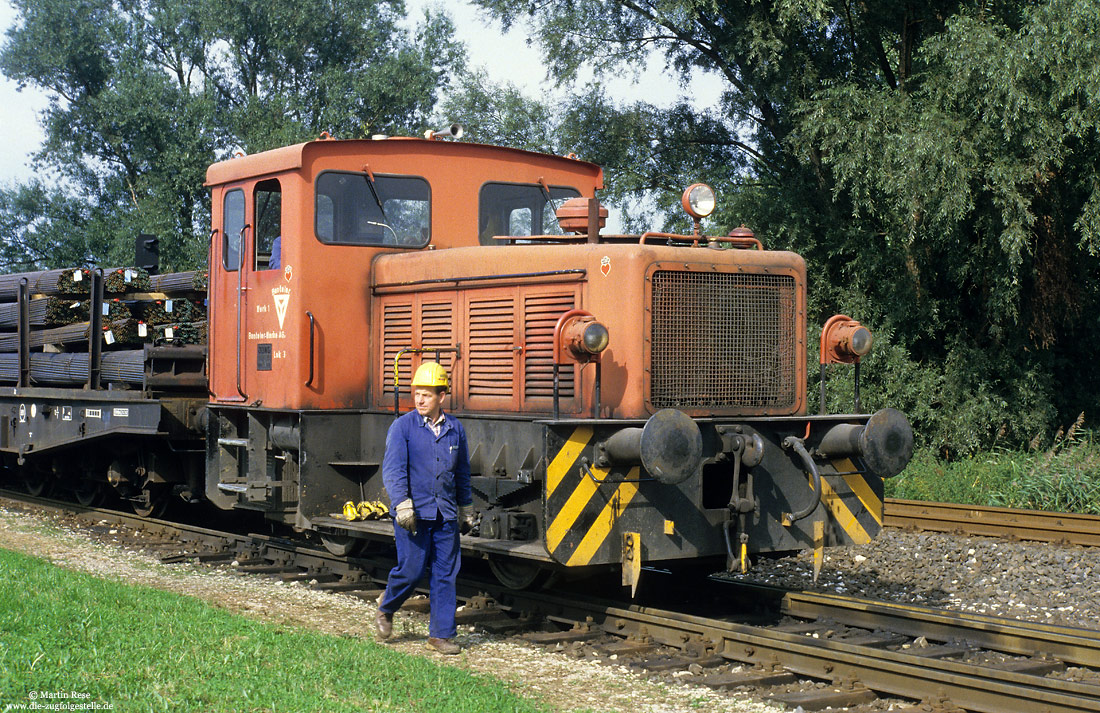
{"x":18,"y":116}
{"x":486,"y":44}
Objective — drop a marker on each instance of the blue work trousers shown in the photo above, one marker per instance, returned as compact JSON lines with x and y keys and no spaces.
{"x":433,"y":550}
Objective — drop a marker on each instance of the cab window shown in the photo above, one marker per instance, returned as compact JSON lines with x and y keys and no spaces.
{"x":519,"y":210}
{"x":357,"y":209}
{"x":269,"y":225}
{"x":232,"y":225}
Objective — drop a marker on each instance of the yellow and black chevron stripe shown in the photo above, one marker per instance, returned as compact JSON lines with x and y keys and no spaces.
{"x":580,"y":513}
{"x":854,"y":502}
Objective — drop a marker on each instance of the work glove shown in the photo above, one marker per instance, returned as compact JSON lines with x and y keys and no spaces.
{"x":466,"y":519}
{"x":405,"y":516}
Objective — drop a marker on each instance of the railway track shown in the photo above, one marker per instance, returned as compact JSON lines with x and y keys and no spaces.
{"x":796,"y":648}
{"x":1059,"y":527}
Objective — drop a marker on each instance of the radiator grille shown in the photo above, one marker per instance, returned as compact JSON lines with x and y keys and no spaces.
{"x":723,"y":340}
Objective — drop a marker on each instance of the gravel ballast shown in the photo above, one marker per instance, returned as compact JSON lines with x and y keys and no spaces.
{"x":1047,"y":583}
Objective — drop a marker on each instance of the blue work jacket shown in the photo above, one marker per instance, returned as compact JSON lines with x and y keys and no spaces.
{"x":432,"y":470}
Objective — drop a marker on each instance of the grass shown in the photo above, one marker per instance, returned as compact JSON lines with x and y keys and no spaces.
{"x":141,"y":649}
{"x":1065,"y":477}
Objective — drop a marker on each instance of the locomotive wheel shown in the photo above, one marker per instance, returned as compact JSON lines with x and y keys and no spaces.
{"x":521,"y":574}
{"x":342,"y":545}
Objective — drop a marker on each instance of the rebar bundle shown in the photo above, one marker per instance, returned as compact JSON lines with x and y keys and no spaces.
{"x":124,"y":331}
{"x":187,"y":333}
{"x":176,"y":282}
{"x":69,"y":334}
{"x":116,"y":310}
{"x":37,"y":309}
{"x":65,"y":311}
{"x":66,"y":281}
{"x":72,"y":369}
{"x":168,"y":311}
{"x":127,"y":279}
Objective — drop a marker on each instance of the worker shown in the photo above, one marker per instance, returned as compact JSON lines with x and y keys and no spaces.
{"x":426,"y":473}
{"x":275,"y":261}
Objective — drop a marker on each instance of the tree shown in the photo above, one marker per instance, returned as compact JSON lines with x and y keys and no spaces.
{"x":145,"y":94}
{"x":935,"y":162}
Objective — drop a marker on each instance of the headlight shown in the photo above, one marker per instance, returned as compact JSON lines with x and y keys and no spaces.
{"x":698,"y":200}
{"x":844,"y":340}
{"x":859,"y":341}
{"x":595,"y":338}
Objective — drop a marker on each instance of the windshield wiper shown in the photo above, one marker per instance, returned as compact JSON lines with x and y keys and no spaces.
{"x":369,"y":175}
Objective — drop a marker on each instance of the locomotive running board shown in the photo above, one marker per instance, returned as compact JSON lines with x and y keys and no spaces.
{"x":530,"y":550}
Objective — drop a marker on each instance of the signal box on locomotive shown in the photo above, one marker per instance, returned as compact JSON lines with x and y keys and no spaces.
{"x":627,"y":399}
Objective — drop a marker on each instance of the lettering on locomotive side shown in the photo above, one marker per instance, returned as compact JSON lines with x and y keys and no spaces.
{"x":271,"y":334}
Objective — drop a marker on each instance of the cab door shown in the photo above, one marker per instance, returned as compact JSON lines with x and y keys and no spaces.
{"x":267,"y":325}
{"x":249,"y":296}
{"x":230,"y":225}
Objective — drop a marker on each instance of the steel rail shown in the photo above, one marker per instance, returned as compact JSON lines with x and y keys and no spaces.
{"x":1071,"y":645}
{"x":1058,"y":527}
{"x":188,"y":534}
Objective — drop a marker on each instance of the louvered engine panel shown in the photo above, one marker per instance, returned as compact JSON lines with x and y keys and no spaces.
{"x":540,"y":315}
{"x":437,"y":332}
{"x":397,"y":334}
{"x":492,"y":339}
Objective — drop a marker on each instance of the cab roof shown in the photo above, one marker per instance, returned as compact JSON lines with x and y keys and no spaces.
{"x":291,"y":158}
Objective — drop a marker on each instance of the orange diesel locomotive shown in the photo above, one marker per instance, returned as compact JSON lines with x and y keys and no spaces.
{"x":628,"y":399}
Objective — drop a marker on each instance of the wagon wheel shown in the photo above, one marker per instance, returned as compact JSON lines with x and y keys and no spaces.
{"x":150,"y":502}
{"x":88,"y":493}
{"x":521,"y":574}
{"x":342,"y":545}
{"x":35,"y":485}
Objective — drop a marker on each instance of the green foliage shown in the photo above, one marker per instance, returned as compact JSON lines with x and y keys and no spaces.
{"x":935,"y":162}
{"x":143,"y":649}
{"x":974,"y":480}
{"x":1064,"y":477}
{"x":43,"y":227}
{"x":145,"y":94}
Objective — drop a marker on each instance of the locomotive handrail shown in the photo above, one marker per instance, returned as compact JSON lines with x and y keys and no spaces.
{"x":414,"y":350}
{"x":669,"y":236}
{"x":736,"y":240}
{"x":388,"y":287}
{"x":241,"y":244}
{"x":312,"y":326}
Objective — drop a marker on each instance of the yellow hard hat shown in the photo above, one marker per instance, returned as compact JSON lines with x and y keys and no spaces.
{"x":430,"y":373}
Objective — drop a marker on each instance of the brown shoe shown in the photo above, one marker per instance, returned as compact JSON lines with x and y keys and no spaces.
{"x":383,"y":624}
{"x":446,"y":647}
